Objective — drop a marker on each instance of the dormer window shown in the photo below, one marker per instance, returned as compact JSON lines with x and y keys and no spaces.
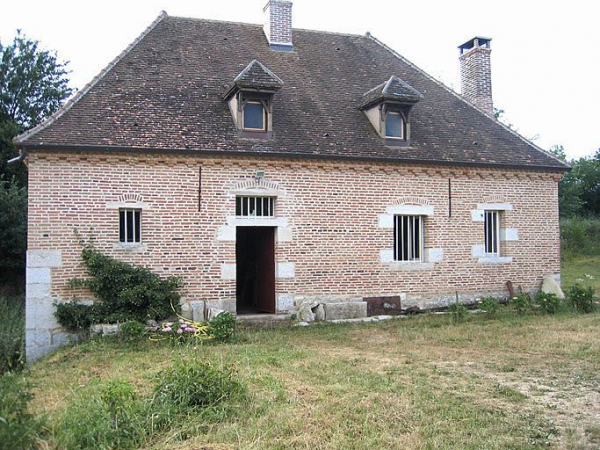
{"x":255,"y":116}
{"x":394,"y":125}
{"x":388,"y":108}
{"x":250,"y":100}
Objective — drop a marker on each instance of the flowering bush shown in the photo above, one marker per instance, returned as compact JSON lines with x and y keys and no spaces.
{"x":183,"y":330}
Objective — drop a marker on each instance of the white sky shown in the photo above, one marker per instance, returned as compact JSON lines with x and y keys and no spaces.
{"x":545,"y":53}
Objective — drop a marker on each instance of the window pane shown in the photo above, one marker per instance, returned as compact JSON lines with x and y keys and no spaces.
{"x":121,"y":226}
{"x":393,"y":125}
{"x":238,"y":206}
{"x":129,"y":226}
{"x":138,"y":226}
{"x":407,"y":238}
{"x":254,"y":116}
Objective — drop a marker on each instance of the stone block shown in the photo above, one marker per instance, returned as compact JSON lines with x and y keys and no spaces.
{"x":286,"y":270}
{"x":37,"y":337}
{"x":39,"y":313}
{"x":60,"y":338}
{"x":39,"y":290}
{"x":226,"y":304}
{"x":39,"y":275}
{"x":44,"y":258}
{"x":197,"y":308}
{"x":434,"y":254}
{"x":550,"y":286}
{"x":228,"y":271}
{"x":345,"y":310}
{"x":285,"y":302}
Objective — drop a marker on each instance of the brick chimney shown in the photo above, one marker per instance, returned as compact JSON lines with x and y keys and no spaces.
{"x":476,"y":73}
{"x":278,"y":25}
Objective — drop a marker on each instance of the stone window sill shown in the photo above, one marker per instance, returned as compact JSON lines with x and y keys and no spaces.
{"x":130,"y":247}
{"x":495,"y":260}
{"x":410,"y":266}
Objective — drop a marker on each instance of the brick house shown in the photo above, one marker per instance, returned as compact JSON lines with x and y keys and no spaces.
{"x":270,"y":168}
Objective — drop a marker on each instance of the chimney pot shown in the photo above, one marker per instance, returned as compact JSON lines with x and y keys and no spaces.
{"x":278,"y":25}
{"x":476,"y":73}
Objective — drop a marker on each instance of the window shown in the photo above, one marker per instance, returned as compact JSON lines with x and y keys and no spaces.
{"x":255,"y":116}
{"x":492,"y":233}
{"x":255,"y":206}
{"x":130,"y":226}
{"x":394,"y":125}
{"x":408,"y":238}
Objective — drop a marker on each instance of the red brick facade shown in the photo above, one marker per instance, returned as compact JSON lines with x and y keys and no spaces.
{"x":329,"y":213}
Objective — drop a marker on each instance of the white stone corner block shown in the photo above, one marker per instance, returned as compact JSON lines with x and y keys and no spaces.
{"x":44,"y":258}
{"x":228,"y":271}
{"x":386,"y":221}
{"x":285,"y":302}
{"x":433,"y":255}
{"x":478,"y":251}
{"x":477,"y":215}
{"x":509,"y":234}
{"x":410,"y":210}
{"x":495,"y":206}
{"x":386,"y":256}
{"x":226,"y":233}
{"x":39,"y":275}
{"x":39,"y":290}
{"x":284,"y":234}
{"x":286,"y":270}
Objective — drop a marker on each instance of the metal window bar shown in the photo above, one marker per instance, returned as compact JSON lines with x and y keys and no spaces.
{"x":492,"y":232}
{"x":408,"y":238}
{"x":247,"y":206}
{"x":130,"y":226}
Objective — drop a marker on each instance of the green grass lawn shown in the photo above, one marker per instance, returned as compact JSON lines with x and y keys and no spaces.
{"x":416,"y":383}
{"x":584,"y":270}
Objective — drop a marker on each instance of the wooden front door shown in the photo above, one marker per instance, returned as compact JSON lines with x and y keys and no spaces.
{"x":255,"y":260}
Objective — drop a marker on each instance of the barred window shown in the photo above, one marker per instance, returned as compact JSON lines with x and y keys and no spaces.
{"x":408,"y":238}
{"x":130,"y":225}
{"x":255,"y":206}
{"x":492,"y":233}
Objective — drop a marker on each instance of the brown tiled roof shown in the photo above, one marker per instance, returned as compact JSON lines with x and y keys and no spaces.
{"x":165,"y":92}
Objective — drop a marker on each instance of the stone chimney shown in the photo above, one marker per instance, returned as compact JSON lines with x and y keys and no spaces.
{"x":278,"y":25}
{"x":476,"y":73}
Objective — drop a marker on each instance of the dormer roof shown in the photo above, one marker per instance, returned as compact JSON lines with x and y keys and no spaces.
{"x":256,"y":77}
{"x":394,"y":90}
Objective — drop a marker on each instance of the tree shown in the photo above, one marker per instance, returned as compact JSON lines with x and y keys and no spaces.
{"x":33,"y":85}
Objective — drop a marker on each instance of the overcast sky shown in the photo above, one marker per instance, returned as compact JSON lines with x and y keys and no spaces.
{"x":545,"y":53}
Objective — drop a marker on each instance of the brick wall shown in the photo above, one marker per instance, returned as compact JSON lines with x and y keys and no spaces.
{"x":332,"y":209}
{"x":476,"y":78}
{"x":278,"y":22}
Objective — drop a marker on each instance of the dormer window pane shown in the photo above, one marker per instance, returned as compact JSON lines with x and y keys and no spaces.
{"x":393,"y":125}
{"x":254,"y":116}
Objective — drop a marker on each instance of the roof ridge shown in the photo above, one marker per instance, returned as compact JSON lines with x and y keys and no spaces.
{"x":460,"y":97}
{"x":79,"y":94}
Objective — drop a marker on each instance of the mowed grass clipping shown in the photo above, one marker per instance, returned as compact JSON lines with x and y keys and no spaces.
{"x":416,"y":383}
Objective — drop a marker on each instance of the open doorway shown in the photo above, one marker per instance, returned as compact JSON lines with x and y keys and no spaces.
{"x":255,"y":267}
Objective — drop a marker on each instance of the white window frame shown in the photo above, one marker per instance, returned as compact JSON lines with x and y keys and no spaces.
{"x":264,"y":109}
{"x":415,"y":245}
{"x":401,"y":137}
{"x":249,"y":203}
{"x":491,"y":219}
{"x":136,"y":233}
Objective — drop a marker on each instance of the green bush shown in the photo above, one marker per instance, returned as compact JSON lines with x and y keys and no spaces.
{"x":580,"y":236}
{"x":189,"y":385}
{"x":105,"y":415}
{"x":222,"y":327}
{"x":581,"y":298}
{"x":549,"y":303}
{"x":18,"y":428}
{"x":124,"y":291}
{"x":521,"y":303}
{"x":12,"y":333}
{"x":490,"y":305}
{"x":132,"y":332}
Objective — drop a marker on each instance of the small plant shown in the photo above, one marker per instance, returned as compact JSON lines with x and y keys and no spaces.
{"x":18,"y":428}
{"x":183,"y":330}
{"x":74,"y":316}
{"x":458,"y":312}
{"x":132,"y":332}
{"x":189,"y":385}
{"x":490,"y":305}
{"x":104,"y":415}
{"x":581,"y":298}
{"x":521,"y":303}
{"x":222,"y":327}
{"x":550,"y":303}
